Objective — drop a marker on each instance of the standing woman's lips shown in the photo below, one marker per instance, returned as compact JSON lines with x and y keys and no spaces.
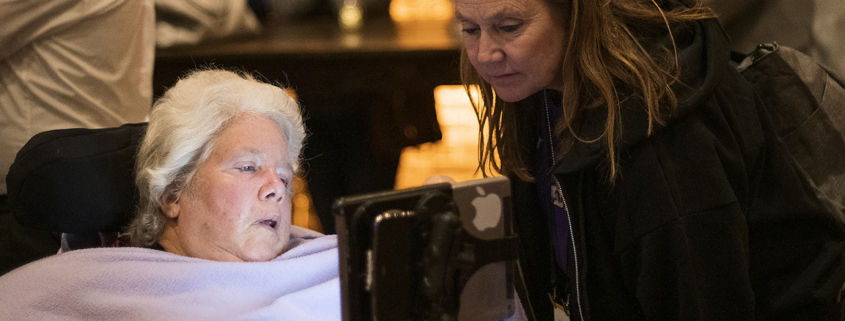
{"x":502,"y":75}
{"x":502,"y":78}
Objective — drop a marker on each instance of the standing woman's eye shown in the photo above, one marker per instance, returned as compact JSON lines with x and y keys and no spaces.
{"x":470,"y":31}
{"x":510,"y":27}
{"x":469,"y":28}
{"x":247,"y":168}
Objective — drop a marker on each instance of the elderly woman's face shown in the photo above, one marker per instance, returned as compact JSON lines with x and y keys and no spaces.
{"x":237,"y":208}
{"x":515,"y":45}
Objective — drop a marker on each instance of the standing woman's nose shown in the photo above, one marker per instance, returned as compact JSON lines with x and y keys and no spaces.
{"x":489,"y":49}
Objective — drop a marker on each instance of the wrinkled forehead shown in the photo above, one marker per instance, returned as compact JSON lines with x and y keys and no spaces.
{"x":494,"y":9}
{"x":253,"y":135}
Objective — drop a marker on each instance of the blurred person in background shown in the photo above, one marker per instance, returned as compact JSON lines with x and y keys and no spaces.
{"x":815,"y":27}
{"x":67,"y":64}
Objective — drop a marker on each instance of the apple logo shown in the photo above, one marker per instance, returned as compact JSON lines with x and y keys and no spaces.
{"x":488,"y":210}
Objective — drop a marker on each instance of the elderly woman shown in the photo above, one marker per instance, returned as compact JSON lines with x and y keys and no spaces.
{"x":214,"y":172}
{"x":215,"y":167}
{"x":648,"y":181}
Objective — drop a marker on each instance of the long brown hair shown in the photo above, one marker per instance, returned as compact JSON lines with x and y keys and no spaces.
{"x":601,"y":52}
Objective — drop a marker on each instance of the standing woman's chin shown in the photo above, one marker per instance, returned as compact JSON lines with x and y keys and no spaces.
{"x":512,"y":97}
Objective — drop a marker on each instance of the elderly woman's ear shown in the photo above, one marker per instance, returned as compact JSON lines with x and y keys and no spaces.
{"x":170,"y":205}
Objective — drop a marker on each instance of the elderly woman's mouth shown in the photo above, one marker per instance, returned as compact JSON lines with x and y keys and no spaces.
{"x":271,"y":223}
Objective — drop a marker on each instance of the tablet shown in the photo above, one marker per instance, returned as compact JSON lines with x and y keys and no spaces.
{"x":443,"y":250}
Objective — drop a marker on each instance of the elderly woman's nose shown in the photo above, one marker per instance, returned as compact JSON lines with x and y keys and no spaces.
{"x":272,"y":188}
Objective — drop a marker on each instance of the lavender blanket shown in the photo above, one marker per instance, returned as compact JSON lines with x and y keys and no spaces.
{"x":144,"y":284}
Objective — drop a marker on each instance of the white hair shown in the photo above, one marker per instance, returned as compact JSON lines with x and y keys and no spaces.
{"x":183,"y":128}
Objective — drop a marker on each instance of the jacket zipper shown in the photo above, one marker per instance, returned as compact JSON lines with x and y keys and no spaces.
{"x":574,"y":251}
{"x":565,"y":207}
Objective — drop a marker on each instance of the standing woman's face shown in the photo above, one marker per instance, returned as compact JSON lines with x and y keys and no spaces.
{"x":515,"y":45}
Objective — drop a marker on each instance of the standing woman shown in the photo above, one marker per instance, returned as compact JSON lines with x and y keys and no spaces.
{"x":649,"y":183}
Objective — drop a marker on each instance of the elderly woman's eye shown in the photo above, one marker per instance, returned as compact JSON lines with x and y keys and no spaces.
{"x":247,"y":168}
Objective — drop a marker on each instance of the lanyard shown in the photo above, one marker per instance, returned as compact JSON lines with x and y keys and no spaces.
{"x":550,"y":192}
{"x":554,"y":204}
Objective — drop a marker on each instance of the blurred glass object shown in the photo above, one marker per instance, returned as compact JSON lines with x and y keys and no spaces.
{"x":350,"y":14}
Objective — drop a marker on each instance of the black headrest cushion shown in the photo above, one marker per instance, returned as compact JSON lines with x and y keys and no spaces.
{"x":76,"y":180}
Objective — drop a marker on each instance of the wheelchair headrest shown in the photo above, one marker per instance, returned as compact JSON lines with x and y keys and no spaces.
{"x":76,"y":180}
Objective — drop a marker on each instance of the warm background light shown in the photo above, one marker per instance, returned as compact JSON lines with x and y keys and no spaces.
{"x":456,"y":154}
{"x":351,"y":15}
{"x":303,"y":213}
{"x":424,"y":23}
{"x":411,"y":10}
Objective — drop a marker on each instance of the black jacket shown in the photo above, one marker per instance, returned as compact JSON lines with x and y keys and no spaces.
{"x":710,"y":219}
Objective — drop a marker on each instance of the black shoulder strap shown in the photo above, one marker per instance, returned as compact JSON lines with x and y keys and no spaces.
{"x":807,"y":105}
